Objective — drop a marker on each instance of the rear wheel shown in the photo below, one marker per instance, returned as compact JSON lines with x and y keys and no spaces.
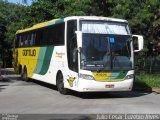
{"x":21,"y":73}
{"x":60,"y":84}
{"x":25,"y":75}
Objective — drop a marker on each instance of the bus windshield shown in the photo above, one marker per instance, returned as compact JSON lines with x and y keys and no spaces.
{"x":106,"y":52}
{"x":105,"y":46}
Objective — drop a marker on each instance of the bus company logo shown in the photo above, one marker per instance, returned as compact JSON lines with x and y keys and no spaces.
{"x":59,"y":55}
{"x":29,"y":52}
{"x":71,"y":80}
{"x":101,"y":74}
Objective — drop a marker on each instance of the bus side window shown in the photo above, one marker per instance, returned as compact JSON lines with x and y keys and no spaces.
{"x":38,"y":40}
{"x":28,"y":40}
{"x":32,"y":42}
{"x":21,"y":41}
{"x":17,"y":41}
{"x":50,"y":36}
{"x":58,"y":34}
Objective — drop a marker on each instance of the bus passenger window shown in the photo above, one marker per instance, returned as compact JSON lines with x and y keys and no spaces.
{"x":20,"y":41}
{"x":38,"y":40}
{"x":32,"y":42}
{"x":28,"y":40}
{"x":17,"y":41}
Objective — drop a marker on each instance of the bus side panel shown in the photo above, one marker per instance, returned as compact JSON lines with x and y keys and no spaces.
{"x":26,"y":57}
{"x":47,"y":68}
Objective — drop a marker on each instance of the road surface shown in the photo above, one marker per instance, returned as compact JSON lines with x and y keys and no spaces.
{"x":17,"y":96}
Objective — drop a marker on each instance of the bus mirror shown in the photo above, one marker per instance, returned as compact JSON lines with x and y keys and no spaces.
{"x":79,"y":38}
{"x":138,"y":42}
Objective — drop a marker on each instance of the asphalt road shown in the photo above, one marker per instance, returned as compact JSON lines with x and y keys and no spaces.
{"x":34,"y":97}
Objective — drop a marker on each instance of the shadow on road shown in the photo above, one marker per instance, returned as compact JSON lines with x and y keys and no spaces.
{"x":7,"y":80}
{"x":2,"y":87}
{"x":97,"y":95}
{"x":93,"y":95}
{"x":87,"y":95}
{"x":50,"y":86}
{"x":8,"y":76}
{"x":102,"y":95}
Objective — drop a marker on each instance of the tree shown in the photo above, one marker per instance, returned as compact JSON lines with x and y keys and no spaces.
{"x":3,"y":43}
{"x":143,"y":15}
{"x":11,"y":15}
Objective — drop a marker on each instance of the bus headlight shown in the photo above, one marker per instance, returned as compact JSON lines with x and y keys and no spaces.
{"x":84,"y":76}
{"x":129,"y":76}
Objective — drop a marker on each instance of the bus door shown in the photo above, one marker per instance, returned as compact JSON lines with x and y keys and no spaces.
{"x":72,"y":54}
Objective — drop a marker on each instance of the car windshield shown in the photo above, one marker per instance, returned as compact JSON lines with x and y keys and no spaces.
{"x":106,"y":52}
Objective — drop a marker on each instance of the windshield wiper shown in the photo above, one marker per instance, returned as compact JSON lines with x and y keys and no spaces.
{"x":88,"y":59}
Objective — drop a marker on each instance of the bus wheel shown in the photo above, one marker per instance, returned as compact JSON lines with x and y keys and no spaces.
{"x":60,"y":84}
{"x":21,"y":74}
{"x":25,"y":76}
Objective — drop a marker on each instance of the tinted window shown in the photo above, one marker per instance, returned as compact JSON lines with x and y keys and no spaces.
{"x":50,"y":35}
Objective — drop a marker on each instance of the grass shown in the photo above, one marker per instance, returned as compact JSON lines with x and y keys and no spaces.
{"x":146,"y":79}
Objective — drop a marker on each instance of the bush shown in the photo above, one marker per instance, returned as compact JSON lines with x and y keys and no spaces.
{"x":151,"y":80}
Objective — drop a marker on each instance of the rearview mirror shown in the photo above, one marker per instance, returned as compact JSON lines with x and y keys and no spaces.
{"x":138,"y":42}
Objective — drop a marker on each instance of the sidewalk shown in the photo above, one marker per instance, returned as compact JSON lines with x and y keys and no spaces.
{"x":5,"y":73}
{"x":156,"y":90}
{"x":1,"y":78}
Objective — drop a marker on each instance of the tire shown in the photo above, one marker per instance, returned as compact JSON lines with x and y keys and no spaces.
{"x":25,"y":75}
{"x":60,"y":84}
{"x":21,"y":73}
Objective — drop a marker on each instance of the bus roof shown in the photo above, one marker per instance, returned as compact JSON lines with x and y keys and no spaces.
{"x":55,"y":21}
{"x":94,"y":18}
{"x":40,"y":25}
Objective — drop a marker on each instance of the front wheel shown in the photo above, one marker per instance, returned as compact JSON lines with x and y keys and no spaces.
{"x":60,"y":84}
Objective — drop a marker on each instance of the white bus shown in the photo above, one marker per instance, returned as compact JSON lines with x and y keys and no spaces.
{"x":81,"y":53}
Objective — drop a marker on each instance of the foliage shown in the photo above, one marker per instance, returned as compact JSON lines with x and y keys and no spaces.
{"x":12,"y":15}
{"x":152,"y":80}
{"x":3,"y":43}
{"x":143,"y":16}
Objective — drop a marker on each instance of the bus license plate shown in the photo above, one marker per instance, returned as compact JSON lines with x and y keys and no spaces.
{"x":109,"y":86}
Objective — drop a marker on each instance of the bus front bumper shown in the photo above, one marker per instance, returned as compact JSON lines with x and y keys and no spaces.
{"x":96,"y":86}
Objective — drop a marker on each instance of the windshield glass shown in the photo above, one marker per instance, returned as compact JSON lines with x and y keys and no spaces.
{"x":106,"y":52}
{"x":105,"y":27}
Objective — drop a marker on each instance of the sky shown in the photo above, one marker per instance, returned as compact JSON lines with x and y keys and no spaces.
{"x":20,"y":1}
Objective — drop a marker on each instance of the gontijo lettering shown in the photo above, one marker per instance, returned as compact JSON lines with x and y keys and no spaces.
{"x":29,"y":52}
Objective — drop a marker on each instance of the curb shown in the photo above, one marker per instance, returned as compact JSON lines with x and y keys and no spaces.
{"x":7,"y":69}
{"x":156,"y":90}
{"x":150,"y":90}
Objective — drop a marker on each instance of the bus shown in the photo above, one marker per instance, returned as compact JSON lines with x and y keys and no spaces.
{"x":80,"y":53}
